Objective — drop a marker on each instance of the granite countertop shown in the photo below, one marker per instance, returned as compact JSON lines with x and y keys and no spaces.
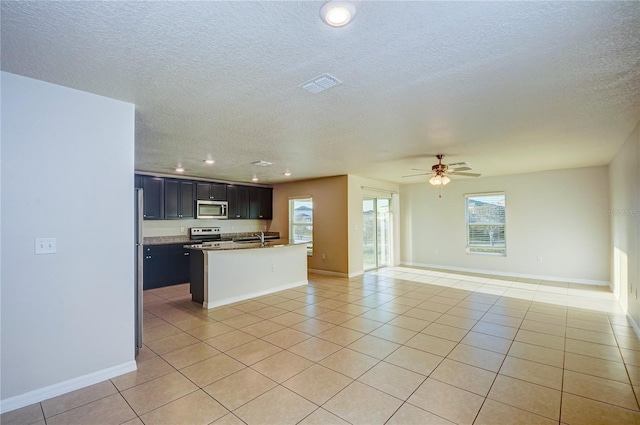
{"x":273,"y":243}
{"x":185,"y":239}
{"x":164,"y":240}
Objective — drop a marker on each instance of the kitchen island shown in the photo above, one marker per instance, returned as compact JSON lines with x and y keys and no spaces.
{"x":242,"y":271}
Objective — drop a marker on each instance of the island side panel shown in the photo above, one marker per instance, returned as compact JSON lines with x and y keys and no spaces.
{"x":236,"y":275}
{"x":197,"y":275}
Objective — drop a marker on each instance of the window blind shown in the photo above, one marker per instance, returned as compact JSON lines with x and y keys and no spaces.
{"x":486,"y":223}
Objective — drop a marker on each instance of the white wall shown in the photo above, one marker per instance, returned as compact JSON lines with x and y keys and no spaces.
{"x":624,"y":181}
{"x":359,"y":187}
{"x":557,"y":215}
{"x":67,"y":173}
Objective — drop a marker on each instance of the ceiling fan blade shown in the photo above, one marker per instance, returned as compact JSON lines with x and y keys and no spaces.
{"x":467,"y":174}
{"x":420,"y":169}
{"x":455,"y":170}
{"x":414,"y":175}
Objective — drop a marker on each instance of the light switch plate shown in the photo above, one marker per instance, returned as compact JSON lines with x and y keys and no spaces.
{"x":46,"y":246}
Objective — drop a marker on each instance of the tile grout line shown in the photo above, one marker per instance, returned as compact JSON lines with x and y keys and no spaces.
{"x":391,"y":289}
{"x":626,"y":368}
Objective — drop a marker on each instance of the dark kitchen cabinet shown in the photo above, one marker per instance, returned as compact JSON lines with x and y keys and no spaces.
{"x":178,"y":199}
{"x":238,"y":197}
{"x":170,"y":198}
{"x":260,"y":203}
{"x":153,"y":267}
{"x":137,"y":182}
{"x":182,"y":265}
{"x":165,"y":265}
{"x":153,"y":188}
{"x":211,"y":191}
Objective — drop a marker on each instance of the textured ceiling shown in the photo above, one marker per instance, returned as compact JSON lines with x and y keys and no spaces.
{"x":508,"y":87}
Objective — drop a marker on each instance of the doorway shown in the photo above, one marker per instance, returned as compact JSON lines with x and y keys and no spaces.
{"x":376,"y":233}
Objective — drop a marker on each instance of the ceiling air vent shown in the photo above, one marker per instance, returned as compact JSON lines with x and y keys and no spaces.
{"x":262,"y":163}
{"x":320,"y":83}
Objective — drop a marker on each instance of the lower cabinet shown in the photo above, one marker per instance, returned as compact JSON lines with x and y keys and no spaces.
{"x":165,"y":265}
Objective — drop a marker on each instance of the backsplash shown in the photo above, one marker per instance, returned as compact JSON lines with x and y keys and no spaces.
{"x":153,"y":228}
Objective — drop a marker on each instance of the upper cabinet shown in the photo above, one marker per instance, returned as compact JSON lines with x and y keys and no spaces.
{"x":171,"y":199}
{"x":260,"y":203}
{"x":211,"y":191}
{"x":153,"y":189}
{"x":178,"y":199}
{"x":238,"y":197}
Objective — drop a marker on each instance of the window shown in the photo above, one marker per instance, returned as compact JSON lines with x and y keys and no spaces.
{"x":485,"y":215}
{"x":301,"y":222}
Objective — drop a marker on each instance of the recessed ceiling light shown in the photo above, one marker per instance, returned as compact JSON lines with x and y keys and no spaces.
{"x":254,"y":179}
{"x":179,"y":169}
{"x":209,"y":161}
{"x":337,"y":13}
{"x":287,"y":173}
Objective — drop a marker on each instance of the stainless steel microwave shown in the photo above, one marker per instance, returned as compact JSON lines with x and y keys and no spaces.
{"x":212,"y":209}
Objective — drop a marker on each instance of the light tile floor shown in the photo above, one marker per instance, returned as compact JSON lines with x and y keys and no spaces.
{"x":397,"y":346}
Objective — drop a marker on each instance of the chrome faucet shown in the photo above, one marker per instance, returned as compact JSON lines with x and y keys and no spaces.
{"x":261,"y":238}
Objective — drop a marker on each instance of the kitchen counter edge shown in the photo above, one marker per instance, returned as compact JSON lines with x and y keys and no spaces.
{"x":274,"y":243}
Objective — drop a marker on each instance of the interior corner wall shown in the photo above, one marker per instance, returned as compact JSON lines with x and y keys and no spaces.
{"x":329,"y":220}
{"x":67,"y":173}
{"x":560,"y":216}
{"x":624,"y":211}
{"x":359,"y":188}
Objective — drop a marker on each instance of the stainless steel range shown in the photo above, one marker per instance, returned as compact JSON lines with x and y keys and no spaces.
{"x":208,"y":237}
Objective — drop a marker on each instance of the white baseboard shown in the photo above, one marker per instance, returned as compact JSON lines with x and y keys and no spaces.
{"x":231,"y":300}
{"x":328,"y":273}
{"x":634,"y":325}
{"x":64,"y":387}
{"x":511,"y":274}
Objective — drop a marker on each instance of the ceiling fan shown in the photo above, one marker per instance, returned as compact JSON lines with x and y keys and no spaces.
{"x":441,"y":172}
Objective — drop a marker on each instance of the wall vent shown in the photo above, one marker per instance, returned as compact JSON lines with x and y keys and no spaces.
{"x":320,"y":83}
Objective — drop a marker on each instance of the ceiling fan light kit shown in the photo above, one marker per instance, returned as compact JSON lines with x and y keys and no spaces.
{"x":442,"y":171}
{"x":439,"y":180}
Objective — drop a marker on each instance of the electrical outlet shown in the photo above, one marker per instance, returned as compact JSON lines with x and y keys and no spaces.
{"x":46,"y":246}
{"x":539,"y":259}
{"x":182,"y":230}
{"x":324,"y":256}
{"x":273,"y":267}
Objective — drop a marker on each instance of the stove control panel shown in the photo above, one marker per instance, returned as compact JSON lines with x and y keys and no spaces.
{"x":204,"y":231}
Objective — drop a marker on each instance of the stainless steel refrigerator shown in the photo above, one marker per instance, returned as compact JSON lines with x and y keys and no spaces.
{"x":139,"y":205}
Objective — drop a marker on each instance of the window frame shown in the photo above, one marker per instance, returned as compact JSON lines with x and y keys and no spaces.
{"x":478,"y":249}
{"x":292,"y":223}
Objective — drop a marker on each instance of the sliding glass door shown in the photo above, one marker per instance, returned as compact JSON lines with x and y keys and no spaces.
{"x":376,"y":231}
